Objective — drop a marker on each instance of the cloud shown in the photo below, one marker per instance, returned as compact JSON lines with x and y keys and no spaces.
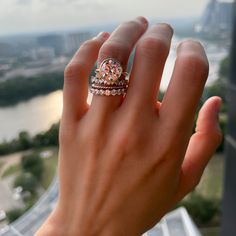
{"x":23,"y":2}
{"x":74,"y":5}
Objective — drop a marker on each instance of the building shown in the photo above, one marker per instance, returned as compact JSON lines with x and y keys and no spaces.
{"x":54,"y":41}
{"x":74,"y":40}
{"x":216,"y":20}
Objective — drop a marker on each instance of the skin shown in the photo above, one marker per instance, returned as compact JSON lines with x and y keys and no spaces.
{"x":125,"y":162}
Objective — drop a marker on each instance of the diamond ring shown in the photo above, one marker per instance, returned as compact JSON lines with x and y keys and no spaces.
{"x":110,"y":79}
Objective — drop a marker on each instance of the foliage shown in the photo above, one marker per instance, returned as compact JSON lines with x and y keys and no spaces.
{"x":217,"y":89}
{"x":25,"y":141}
{"x":13,"y":214}
{"x":50,"y":167}
{"x":20,"y":88}
{"x":223,"y":126}
{"x":224,"y":70}
{"x":200,"y":208}
{"x":33,"y":164}
{"x":27,"y":181}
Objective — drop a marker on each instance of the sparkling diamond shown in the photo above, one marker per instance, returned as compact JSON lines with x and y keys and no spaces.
{"x":113,"y":92}
{"x":107,"y":92}
{"x":110,"y":70}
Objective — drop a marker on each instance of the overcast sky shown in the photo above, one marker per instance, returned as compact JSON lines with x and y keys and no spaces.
{"x":18,"y":16}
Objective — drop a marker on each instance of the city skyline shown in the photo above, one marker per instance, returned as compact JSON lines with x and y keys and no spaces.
{"x":31,"y":16}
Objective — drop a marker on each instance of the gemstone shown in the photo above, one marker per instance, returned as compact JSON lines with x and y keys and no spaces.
{"x":113,"y":92}
{"x":107,"y":92}
{"x":110,"y":69}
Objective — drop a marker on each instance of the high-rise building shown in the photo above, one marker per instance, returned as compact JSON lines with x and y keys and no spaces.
{"x":74,"y":40}
{"x":54,"y":41}
{"x":217,"y":19}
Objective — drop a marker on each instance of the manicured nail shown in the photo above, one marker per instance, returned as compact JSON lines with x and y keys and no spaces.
{"x":104,"y":35}
{"x":142,"y":20}
{"x":218,"y":106}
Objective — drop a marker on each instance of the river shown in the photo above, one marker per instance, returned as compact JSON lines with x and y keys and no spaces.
{"x":39,"y":113}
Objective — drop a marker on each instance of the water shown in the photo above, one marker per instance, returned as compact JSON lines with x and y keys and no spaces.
{"x":39,"y":113}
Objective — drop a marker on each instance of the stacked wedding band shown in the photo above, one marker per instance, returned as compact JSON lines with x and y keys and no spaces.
{"x":109,"y":79}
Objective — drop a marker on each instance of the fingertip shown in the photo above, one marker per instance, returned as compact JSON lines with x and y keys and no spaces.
{"x":142,"y":19}
{"x":218,"y":102}
{"x":193,"y":49}
{"x":214,"y":104}
{"x":102,"y":35}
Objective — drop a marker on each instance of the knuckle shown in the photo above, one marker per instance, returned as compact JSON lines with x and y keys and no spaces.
{"x":89,"y":45}
{"x":153,"y":48}
{"x":75,"y":70}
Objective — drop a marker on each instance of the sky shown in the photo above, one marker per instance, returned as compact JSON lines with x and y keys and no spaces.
{"x":25,"y":16}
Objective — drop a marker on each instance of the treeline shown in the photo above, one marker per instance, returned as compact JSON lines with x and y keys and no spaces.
{"x":20,"y":88}
{"x":25,"y":141}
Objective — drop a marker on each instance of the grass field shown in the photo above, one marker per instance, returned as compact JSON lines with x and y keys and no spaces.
{"x":50,"y":165}
{"x":211,"y":184}
{"x":1,"y":164}
{"x":13,"y":169}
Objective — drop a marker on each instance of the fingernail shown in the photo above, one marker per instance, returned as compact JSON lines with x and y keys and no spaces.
{"x":104,"y":35}
{"x":190,"y":46}
{"x":218,"y":105}
{"x":142,"y":20}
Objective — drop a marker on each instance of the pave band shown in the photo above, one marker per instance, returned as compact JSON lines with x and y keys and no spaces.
{"x":108,"y":92}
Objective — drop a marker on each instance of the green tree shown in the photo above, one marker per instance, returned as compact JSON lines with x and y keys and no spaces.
{"x":52,"y":135}
{"x":200,"y":208}
{"x":224,"y":68}
{"x":24,"y":140}
{"x":27,"y":181}
{"x":33,"y":164}
{"x":14,"y":214}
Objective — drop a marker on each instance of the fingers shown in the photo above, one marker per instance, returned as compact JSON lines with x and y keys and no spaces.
{"x":201,"y":147}
{"x":184,"y":91}
{"x":150,"y":57}
{"x":76,"y":77}
{"x":119,"y":46}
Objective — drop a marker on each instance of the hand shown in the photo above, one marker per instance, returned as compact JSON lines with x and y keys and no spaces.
{"x":124,"y":162}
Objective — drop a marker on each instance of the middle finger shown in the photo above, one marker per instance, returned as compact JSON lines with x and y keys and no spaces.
{"x":119,"y":47}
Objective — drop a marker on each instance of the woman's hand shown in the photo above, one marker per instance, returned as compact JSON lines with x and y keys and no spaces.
{"x":124,"y":162}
